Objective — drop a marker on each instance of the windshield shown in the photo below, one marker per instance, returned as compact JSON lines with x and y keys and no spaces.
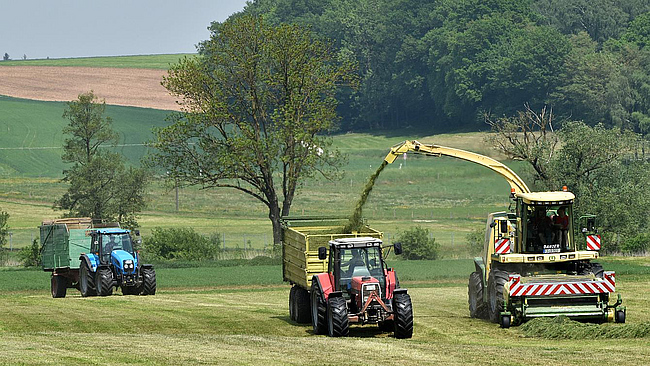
{"x":113,"y":242}
{"x":548,"y":229}
{"x":360,"y":263}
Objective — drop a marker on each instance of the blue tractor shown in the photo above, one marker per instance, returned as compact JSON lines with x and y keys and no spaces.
{"x":112,"y":262}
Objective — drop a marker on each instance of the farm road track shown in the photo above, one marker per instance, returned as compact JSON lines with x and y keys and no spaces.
{"x":118,"y":86}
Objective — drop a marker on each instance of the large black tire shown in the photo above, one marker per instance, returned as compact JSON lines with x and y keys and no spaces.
{"x":477,"y":308}
{"x":318,"y":309}
{"x":58,"y":285}
{"x":86,"y":281}
{"x":619,"y":316}
{"x":495,"y":294}
{"x":303,"y":309}
{"x":338,"y":324}
{"x":148,"y":281}
{"x":104,"y":282}
{"x":292,"y":304}
{"x":403,"y":315}
{"x":597,"y":269}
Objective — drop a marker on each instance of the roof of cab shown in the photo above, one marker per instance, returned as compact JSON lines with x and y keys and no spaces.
{"x":549,"y":198}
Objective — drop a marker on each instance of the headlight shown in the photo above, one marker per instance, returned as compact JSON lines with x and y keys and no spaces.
{"x":128,"y":264}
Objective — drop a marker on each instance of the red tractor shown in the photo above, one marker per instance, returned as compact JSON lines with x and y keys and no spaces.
{"x":359,"y":288}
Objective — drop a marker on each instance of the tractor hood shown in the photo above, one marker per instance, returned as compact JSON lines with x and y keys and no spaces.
{"x":119,"y":256}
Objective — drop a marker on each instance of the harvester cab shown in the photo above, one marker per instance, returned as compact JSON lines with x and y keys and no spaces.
{"x":113,"y":262}
{"x":359,"y":288}
{"x":532,"y":266}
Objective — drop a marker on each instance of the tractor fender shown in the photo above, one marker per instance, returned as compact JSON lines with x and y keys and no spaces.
{"x":325,"y":284}
{"x":92,"y":263}
{"x":479,"y":265}
{"x":391,"y":283}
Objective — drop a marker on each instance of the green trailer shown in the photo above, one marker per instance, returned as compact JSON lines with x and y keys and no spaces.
{"x":62,"y":243}
{"x":301,"y":238}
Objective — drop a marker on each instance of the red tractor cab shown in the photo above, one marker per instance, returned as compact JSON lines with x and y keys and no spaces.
{"x":359,"y":288}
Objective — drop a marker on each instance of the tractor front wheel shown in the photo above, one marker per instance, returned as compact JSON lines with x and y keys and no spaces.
{"x":475,"y":295}
{"x":495,"y":294}
{"x":58,"y":285}
{"x":619,"y":316}
{"x":318,"y":309}
{"x":338,"y":324}
{"x":86,"y":281}
{"x":148,"y":281}
{"x":403,"y":314}
{"x":104,"y":282}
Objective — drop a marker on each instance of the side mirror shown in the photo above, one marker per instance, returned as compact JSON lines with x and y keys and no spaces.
{"x":398,"y":248}
{"x":503,"y":226}
{"x":591,"y":223}
{"x":322,"y":253}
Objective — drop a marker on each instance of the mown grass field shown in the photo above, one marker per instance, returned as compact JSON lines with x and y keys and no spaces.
{"x":239,"y":316}
{"x":138,"y":61}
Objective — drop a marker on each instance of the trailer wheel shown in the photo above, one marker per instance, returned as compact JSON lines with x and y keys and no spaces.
{"x":292,"y":303}
{"x":318,"y":309}
{"x":619,"y":316}
{"x":86,"y":281}
{"x":495,"y":294}
{"x":148,"y":281}
{"x":403,"y":314}
{"x":58,"y":285}
{"x":302,"y":309}
{"x":104,"y":282}
{"x":338,"y":324}
{"x":477,"y":307}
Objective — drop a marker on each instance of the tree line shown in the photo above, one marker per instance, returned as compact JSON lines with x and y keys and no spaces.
{"x":446,"y":64}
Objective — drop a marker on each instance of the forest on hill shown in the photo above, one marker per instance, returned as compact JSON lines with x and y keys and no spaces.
{"x":446,"y":64}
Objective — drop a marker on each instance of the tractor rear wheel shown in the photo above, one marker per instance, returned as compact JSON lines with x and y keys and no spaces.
{"x":148,"y":281}
{"x":58,"y":285}
{"x":338,"y":324}
{"x":318,"y":309}
{"x":477,"y":308}
{"x":104,"y":282}
{"x":303,"y":315}
{"x":86,"y":281}
{"x":495,"y":294}
{"x":403,"y":314}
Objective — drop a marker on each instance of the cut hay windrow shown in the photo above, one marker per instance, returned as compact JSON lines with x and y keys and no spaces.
{"x":564,"y":328}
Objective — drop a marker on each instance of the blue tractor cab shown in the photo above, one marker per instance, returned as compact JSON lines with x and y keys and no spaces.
{"x":113,"y":262}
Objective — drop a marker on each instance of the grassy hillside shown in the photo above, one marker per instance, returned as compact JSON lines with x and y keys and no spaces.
{"x":31,"y":138}
{"x":140,"y":61}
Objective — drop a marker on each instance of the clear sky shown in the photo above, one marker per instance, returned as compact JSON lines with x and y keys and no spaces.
{"x":81,"y":28}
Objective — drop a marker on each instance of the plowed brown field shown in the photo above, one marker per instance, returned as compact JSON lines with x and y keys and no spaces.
{"x":118,"y":86}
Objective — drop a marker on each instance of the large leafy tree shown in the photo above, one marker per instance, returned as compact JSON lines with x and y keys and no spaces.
{"x":255,"y":104}
{"x":101,"y":187}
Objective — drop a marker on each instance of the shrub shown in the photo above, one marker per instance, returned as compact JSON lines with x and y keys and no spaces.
{"x":30,"y":256}
{"x":637,"y":244}
{"x":416,"y":244}
{"x":475,"y":239}
{"x":181,"y":244}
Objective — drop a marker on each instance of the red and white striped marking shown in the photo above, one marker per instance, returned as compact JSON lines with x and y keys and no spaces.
{"x":593,"y":242}
{"x":502,"y":246}
{"x":606,"y":285}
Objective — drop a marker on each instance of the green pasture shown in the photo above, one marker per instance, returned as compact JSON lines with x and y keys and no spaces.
{"x":239,"y":316}
{"x":138,"y":61}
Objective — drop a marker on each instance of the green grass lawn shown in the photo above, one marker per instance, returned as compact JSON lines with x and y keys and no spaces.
{"x":138,"y":61}
{"x":239,"y":316}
